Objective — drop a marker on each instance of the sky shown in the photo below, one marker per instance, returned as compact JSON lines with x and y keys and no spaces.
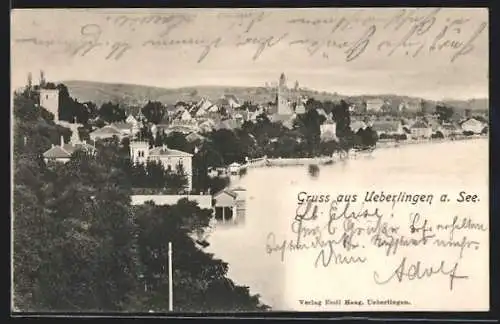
{"x":401,"y":51}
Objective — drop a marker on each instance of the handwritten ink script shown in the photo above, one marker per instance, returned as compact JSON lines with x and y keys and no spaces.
{"x":392,"y":236}
{"x":334,"y":36}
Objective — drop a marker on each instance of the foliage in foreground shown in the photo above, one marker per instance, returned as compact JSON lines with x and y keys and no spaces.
{"x":80,"y":246}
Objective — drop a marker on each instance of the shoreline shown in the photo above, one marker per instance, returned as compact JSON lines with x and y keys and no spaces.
{"x":328,"y":160}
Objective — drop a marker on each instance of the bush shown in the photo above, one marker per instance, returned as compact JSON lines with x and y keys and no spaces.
{"x":313,"y":170}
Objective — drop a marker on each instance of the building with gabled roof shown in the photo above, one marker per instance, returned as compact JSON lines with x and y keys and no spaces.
{"x":108,"y":131}
{"x":203,"y":107}
{"x":420,"y":129}
{"x":388,"y":127}
{"x":193,"y":137}
{"x":64,"y":151}
{"x":131,"y":120}
{"x":450,"y":129}
{"x":140,"y":152}
{"x":473,"y":125}
{"x":357,"y":125}
{"x":230,"y":206}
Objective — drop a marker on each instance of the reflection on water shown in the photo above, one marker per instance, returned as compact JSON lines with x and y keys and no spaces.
{"x":438,"y":165}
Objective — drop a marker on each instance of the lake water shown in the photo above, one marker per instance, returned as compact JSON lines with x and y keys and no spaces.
{"x":272,"y":202}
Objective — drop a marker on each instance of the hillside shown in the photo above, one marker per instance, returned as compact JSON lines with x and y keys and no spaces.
{"x":133,"y":95}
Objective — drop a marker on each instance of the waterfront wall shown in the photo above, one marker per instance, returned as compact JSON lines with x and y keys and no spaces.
{"x":204,"y":201}
{"x":282,"y":162}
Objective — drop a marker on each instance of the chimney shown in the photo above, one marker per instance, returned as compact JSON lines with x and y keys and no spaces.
{"x":62,"y":141}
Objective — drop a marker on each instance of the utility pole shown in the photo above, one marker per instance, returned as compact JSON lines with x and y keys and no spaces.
{"x":170,"y":281}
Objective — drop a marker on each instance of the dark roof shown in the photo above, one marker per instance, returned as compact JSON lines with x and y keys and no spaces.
{"x":66,"y":150}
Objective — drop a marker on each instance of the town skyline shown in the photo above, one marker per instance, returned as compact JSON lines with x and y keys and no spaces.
{"x":436,"y":73}
{"x":262,"y":84}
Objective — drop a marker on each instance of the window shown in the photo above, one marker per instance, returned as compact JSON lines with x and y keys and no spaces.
{"x":218,"y":213}
{"x":228,"y":213}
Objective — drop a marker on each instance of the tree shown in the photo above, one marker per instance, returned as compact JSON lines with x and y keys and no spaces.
{"x":228,"y":145}
{"x":200,"y":281}
{"x":207,"y":156}
{"x":177,"y":141}
{"x":154,"y":111}
{"x":309,"y":125}
{"x":444,"y":113}
{"x":177,"y":180}
{"x":156,"y":175}
{"x":111,"y":112}
{"x":340,"y":114}
{"x":34,"y":130}
{"x":80,"y":246}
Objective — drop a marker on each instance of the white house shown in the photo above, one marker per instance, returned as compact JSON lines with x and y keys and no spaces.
{"x":473,"y":125}
{"x":357,"y":124}
{"x":420,"y":130}
{"x":388,"y":127}
{"x":229,"y":206}
{"x":170,"y":158}
{"x":234,"y":169}
{"x":328,"y":130}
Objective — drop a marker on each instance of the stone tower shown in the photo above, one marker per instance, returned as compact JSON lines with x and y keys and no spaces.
{"x":42,"y":79}
{"x":139,"y":151}
{"x":282,"y":100}
{"x":49,"y":99}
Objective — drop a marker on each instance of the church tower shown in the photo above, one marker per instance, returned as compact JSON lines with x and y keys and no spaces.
{"x":282,"y":100}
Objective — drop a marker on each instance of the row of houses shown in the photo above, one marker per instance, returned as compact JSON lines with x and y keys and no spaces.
{"x":421,"y":128}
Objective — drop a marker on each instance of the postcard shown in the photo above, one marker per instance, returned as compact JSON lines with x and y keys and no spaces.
{"x":250,"y":160}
